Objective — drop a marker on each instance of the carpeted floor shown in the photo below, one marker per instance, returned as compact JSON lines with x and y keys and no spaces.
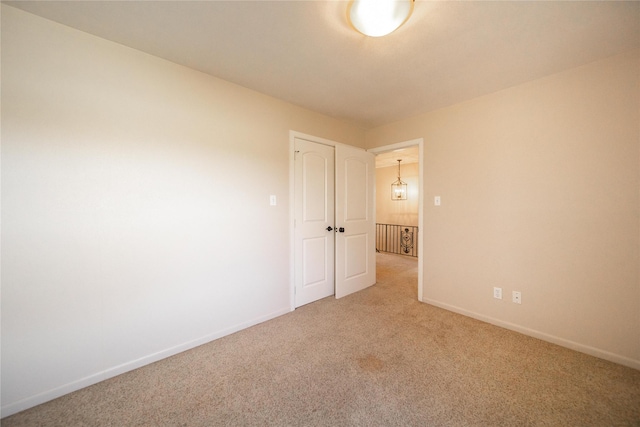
{"x":375,"y":358}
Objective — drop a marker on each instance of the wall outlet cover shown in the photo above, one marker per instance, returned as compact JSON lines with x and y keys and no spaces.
{"x":517,"y":297}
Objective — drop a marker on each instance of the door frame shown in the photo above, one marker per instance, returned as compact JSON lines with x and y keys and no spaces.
{"x":292,"y":213}
{"x":420,"y":143}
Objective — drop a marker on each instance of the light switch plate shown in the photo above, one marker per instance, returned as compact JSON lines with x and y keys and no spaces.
{"x":272,"y":200}
{"x":436,"y":200}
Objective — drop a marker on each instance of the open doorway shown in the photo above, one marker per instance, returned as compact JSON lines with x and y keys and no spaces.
{"x":399,"y":220}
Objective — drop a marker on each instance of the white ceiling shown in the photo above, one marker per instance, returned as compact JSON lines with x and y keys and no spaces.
{"x":305,"y":52}
{"x":407,"y":155}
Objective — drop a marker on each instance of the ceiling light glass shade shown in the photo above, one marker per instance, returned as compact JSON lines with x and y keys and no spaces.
{"x":378,"y":18}
{"x":399,"y":190}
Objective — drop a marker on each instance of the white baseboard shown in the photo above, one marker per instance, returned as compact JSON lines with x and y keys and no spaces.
{"x":592,"y":351}
{"x":29,"y":402}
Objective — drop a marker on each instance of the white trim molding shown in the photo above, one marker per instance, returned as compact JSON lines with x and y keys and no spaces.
{"x":592,"y":351}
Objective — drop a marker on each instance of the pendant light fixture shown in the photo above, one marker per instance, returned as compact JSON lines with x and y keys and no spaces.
{"x":399,"y":188}
{"x":377,"y":18}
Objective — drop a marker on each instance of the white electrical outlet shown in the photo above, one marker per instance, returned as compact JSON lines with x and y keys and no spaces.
{"x":497,"y":293}
{"x":517,"y":297}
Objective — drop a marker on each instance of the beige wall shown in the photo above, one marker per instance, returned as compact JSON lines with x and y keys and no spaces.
{"x":540,"y":194}
{"x":400,"y":212}
{"x":135,"y":207}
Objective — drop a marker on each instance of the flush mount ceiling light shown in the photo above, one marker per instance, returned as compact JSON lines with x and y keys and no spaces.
{"x":376,"y":18}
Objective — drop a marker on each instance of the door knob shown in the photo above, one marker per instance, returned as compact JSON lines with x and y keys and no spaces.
{"x":329,"y":228}
{"x":341,"y":229}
